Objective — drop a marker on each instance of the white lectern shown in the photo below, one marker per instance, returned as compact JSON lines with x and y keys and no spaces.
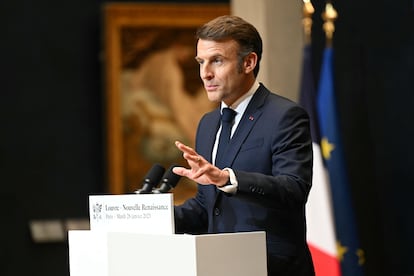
{"x":131,"y":253}
{"x":94,"y":253}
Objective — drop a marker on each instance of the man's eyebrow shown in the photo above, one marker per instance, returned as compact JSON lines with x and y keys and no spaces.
{"x":210,"y":57}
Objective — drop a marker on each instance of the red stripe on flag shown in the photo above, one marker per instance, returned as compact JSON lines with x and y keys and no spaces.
{"x":325,"y":264}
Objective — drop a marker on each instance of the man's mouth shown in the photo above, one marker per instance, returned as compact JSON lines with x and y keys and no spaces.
{"x":210,"y":87}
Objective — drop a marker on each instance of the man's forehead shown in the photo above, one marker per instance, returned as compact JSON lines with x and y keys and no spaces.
{"x":213,"y":47}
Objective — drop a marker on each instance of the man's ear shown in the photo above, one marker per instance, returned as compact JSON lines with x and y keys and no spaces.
{"x":250,"y":62}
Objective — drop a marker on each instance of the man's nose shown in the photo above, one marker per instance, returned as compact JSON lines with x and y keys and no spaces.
{"x":206,"y":73}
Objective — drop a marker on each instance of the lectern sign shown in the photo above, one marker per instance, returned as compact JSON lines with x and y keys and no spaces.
{"x":143,"y":213}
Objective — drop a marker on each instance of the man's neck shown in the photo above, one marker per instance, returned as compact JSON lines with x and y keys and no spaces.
{"x":250,"y":91}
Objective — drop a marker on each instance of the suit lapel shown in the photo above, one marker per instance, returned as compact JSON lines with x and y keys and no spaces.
{"x":250,"y":117}
{"x":206,"y":141}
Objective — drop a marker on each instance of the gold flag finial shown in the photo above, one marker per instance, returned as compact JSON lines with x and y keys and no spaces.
{"x":308,"y":11}
{"x":329,"y":16}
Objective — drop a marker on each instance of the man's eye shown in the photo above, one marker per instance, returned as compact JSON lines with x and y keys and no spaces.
{"x":217,"y":60}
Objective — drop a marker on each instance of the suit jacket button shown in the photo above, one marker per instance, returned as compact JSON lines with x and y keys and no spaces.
{"x":216,"y":211}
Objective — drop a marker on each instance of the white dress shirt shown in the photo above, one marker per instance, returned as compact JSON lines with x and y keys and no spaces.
{"x":240,"y":107}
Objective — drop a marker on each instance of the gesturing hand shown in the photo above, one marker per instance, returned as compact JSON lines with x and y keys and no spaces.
{"x":200,"y":171}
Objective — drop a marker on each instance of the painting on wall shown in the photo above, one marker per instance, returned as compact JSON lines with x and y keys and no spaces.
{"x":154,"y":95}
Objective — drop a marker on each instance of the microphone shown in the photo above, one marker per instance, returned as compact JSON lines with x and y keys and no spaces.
{"x":151,"y":179}
{"x":168,"y":182}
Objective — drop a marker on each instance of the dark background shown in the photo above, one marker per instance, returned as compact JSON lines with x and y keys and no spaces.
{"x":52,"y":139}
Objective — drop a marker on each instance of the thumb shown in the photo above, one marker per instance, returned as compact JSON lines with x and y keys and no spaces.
{"x":180,"y":171}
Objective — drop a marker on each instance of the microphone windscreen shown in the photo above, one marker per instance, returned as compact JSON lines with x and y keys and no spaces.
{"x":171,"y":178}
{"x":154,"y":175}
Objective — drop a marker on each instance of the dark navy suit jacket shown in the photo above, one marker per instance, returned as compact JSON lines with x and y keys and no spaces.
{"x":271,"y":155}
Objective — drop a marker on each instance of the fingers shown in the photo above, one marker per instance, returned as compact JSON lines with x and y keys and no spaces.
{"x":184,"y":148}
{"x":201,"y":171}
{"x":197,"y":159}
{"x":189,"y":153}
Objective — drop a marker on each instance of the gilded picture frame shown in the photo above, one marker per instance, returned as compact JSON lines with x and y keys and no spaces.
{"x":153,"y":92}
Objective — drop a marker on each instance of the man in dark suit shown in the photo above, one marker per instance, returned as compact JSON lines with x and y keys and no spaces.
{"x":261,"y":180}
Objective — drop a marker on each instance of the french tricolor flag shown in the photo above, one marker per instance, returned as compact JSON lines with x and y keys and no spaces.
{"x":319,"y":214}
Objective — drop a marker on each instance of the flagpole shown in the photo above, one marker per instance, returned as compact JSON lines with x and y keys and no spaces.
{"x":308,"y":11}
{"x":329,"y":16}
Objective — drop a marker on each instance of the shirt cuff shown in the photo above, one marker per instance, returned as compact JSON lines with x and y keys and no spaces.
{"x":231,"y":187}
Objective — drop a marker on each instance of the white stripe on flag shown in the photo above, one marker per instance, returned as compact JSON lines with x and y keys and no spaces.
{"x":319,"y":213}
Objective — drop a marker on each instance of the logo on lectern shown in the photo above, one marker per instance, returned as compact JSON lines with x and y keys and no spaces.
{"x":97,"y":210}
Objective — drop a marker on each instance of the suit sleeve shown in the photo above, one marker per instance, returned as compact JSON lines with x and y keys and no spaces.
{"x":289,"y":147}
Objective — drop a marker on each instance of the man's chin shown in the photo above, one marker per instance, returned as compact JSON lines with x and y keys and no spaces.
{"x":213,"y":97}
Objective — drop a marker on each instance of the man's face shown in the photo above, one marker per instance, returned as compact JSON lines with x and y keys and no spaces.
{"x":223,"y":77}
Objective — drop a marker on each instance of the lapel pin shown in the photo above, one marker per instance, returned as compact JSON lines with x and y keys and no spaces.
{"x":251,"y":118}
